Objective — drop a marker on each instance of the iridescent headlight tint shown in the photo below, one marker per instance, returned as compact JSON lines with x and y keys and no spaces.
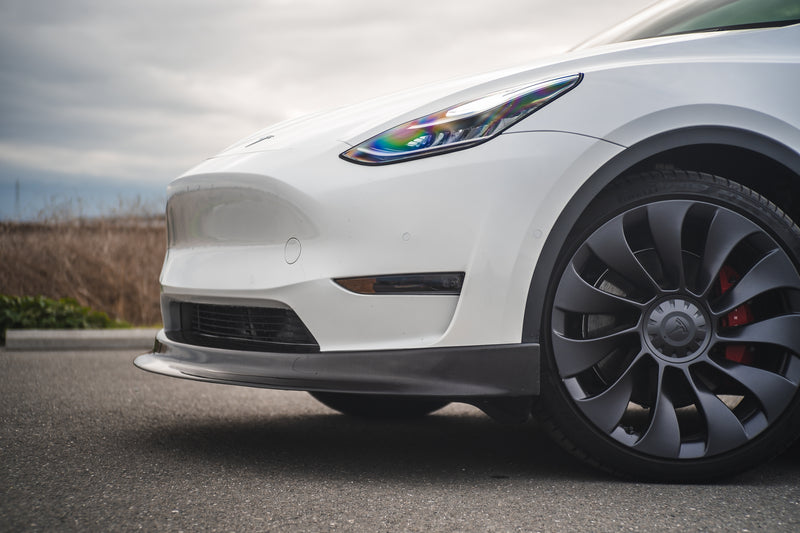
{"x":460,"y":126}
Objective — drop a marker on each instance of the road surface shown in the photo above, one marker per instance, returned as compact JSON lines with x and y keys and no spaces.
{"x":88,"y":442}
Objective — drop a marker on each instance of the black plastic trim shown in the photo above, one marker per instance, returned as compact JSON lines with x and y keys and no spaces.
{"x":248,"y":328}
{"x":614,"y":168}
{"x":215,"y":341}
{"x":509,"y":370}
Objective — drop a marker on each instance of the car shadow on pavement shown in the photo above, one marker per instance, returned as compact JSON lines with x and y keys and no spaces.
{"x":438,"y":447}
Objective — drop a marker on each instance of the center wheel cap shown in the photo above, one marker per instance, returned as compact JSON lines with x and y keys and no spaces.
{"x":676,"y":330}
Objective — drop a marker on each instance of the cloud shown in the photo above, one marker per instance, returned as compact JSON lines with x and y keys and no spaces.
{"x":143,"y":90}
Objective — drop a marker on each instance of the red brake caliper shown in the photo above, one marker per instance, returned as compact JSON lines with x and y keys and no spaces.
{"x":738,"y":317}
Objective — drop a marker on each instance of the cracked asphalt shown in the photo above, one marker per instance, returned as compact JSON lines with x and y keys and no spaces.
{"x":88,"y":442}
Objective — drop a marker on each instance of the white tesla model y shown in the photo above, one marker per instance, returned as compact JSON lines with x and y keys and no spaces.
{"x":606,"y":239}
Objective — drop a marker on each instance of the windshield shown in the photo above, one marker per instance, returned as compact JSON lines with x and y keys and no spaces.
{"x":673,"y":17}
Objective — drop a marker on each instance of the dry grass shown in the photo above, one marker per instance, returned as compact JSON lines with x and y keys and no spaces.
{"x":108,"y":264}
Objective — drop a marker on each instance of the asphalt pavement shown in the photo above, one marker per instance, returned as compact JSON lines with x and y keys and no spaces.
{"x":90,"y":443}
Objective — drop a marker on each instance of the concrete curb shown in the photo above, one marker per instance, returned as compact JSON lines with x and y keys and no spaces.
{"x":79,"y":339}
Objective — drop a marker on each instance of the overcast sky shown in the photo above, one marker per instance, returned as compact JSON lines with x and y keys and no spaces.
{"x":126,"y":95}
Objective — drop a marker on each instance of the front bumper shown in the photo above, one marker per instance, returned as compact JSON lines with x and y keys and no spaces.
{"x":510,"y":370}
{"x":275,"y":228}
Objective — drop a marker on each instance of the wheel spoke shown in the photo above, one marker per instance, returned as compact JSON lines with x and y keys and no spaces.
{"x":772,"y":391}
{"x":774,"y":271}
{"x":577,"y":355}
{"x":781,"y":331}
{"x":666,"y":225}
{"x":663,"y":437}
{"x":575,"y":295}
{"x":726,"y":231}
{"x":606,"y":409}
{"x":609,"y":244}
{"x":725,"y":431}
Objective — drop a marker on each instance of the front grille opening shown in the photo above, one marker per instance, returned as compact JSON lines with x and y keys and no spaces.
{"x":240,"y":328}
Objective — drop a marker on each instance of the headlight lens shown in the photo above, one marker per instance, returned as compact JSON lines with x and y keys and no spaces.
{"x":460,"y":126}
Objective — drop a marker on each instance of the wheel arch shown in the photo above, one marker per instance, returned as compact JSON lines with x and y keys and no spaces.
{"x":733,"y":153}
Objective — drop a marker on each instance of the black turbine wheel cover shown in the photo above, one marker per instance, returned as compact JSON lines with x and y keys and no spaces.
{"x":650,"y":343}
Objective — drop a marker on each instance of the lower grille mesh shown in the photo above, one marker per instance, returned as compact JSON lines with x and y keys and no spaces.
{"x":241,"y":327}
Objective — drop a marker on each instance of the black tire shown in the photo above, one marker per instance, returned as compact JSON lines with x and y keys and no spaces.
{"x":378,"y":406}
{"x":671,"y":336}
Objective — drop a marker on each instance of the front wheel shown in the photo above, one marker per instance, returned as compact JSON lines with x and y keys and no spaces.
{"x":378,"y":406}
{"x":672,"y":331}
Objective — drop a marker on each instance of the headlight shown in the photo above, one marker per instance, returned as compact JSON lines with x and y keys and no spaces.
{"x":460,"y":126}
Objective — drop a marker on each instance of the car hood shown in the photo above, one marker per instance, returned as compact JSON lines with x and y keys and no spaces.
{"x":354,"y":124}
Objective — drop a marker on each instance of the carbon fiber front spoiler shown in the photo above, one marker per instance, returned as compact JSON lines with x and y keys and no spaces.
{"x":509,"y":370}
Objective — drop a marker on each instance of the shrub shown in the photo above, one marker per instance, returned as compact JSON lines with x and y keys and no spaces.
{"x":29,"y":312}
